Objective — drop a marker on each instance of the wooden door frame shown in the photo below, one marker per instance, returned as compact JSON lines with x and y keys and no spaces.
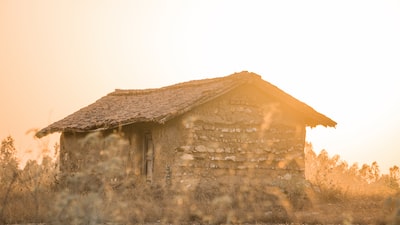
{"x":148,"y":157}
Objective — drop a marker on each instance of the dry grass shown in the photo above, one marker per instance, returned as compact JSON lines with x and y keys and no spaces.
{"x":89,"y":197}
{"x":353,"y":210}
{"x":210,"y":203}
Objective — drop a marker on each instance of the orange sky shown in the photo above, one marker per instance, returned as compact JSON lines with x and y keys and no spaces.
{"x":341,"y":57}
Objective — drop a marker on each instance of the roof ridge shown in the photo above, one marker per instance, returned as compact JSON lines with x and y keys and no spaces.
{"x":244,"y":75}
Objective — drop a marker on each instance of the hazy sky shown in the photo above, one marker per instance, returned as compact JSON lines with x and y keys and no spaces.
{"x":341,"y":57}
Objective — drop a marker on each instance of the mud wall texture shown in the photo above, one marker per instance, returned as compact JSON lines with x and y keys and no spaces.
{"x":89,"y":151}
{"x":239,"y":137}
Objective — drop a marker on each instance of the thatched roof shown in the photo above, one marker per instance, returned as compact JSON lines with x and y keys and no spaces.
{"x":123,"y":107}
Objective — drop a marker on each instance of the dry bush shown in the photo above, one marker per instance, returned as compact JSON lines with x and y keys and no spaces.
{"x":101,"y":192}
{"x":25,"y":194}
{"x":215,"y":202}
{"x":348,"y":194}
{"x":22,"y":208}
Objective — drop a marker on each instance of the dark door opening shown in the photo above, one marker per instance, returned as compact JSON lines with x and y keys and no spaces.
{"x":148,"y":157}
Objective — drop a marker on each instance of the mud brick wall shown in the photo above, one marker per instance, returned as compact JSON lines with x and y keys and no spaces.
{"x":240,"y":137}
{"x":78,"y":151}
{"x":84,"y":151}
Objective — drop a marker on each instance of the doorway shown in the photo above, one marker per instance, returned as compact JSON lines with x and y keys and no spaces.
{"x":148,"y":157}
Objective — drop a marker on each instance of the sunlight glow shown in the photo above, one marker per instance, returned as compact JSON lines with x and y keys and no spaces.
{"x":340,"y":57}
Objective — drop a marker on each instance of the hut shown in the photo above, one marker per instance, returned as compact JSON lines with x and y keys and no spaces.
{"x":236,"y":128}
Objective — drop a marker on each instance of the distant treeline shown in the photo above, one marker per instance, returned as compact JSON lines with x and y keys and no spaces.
{"x":335,"y":173}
